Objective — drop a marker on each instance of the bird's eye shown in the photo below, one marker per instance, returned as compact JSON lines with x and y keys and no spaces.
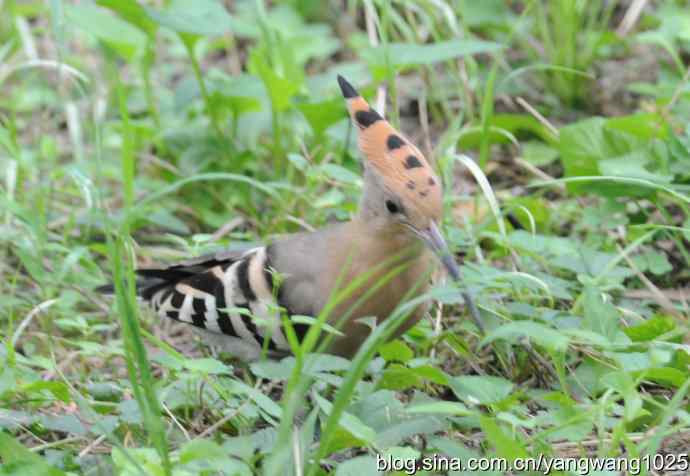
{"x":392,"y":207}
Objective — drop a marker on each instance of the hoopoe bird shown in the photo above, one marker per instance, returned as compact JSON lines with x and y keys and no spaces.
{"x":397,"y":225}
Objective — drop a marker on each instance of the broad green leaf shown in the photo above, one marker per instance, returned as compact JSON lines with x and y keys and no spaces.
{"x":632,"y":165}
{"x":18,"y":460}
{"x":645,"y":125}
{"x":396,"y":350}
{"x":120,"y":35}
{"x":331,"y":198}
{"x":581,"y":147}
{"x":341,"y":174}
{"x":133,"y":12}
{"x":238,"y":94}
{"x":322,"y":115}
{"x":441,"y":408}
{"x":543,"y":245}
{"x":505,"y":445}
{"x":405,"y":55}
{"x":66,"y":423}
{"x":398,"y":377}
{"x":431,"y":373}
{"x":349,"y":421}
{"x":624,"y":385}
{"x":487,"y":13}
{"x":503,"y":129}
{"x":653,"y":261}
{"x":58,"y":389}
{"x":280,"y":89}
{"x":263,"y":401}
{"x":207,"y":366}
{"x":615,"y":147}
{"x":538,"y":153}
{"x":483,"y":390}
{"x":395,"y":434}
{"x":358,"y":466}
{"x":458,"y":452}
{"x":650,"y":329}
{"x":666,"y":376}
{"x":600,"y":316}
{"x":536,"y":332}
{"x":194,"y":17}
{"x":201,"y":449}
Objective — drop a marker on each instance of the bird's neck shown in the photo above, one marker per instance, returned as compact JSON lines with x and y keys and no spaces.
{"x":377,"y":238}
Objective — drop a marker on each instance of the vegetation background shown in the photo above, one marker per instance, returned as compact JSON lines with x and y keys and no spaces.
{"x":140,"y":133}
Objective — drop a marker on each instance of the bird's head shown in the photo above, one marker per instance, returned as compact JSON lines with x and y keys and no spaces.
{"x":401,"y":191}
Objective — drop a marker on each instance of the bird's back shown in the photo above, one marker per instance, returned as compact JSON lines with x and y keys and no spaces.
{"x":241,"y":295}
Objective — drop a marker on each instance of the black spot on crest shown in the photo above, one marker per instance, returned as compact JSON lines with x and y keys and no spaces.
{"x":367,"y":118}
{"x":394,"y":142}
{"x":412,"y":162}
{"x":432,"y":182}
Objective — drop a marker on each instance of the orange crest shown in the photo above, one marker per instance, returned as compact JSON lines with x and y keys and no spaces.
{"x":402,"y":166}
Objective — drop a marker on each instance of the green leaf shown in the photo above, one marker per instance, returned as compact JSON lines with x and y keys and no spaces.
{"x":650,"y":329}
{"x":623,"y":383}
{"x":484,"y":390}
{"x":201,"y":450}
{"x":405,"y":55}
{"x":357,"y":466}
{"x":666,"y":376}
{"x":207,"y":366}
{"x":263,"y":401}
{"x":398,"y":377}
{"x":341,"y":174}
{"x":653,"y":261}
{"x":431,"y":373}
{"x":440,"y":408}
{"x":58,"y":389}
{"x":194,"y":17}
{"x":538,"y":333}
{"x":396,"y":350}
{"x":538,"y":153}
{"x":332,"y":198}
{"x":322,"y":115}
{"x":632,"y":165}
{"x":450,"y":447}
{"x":616,"y":147}
{"x":506,"y":447}
{"x":600,"y":316}
{"x":310,"y":320}
{"x":280,"y":89}
{"x":348,"y":421}
{"x":127,"y":40}
{"x":238,"y":94}
{"x":65,"y":423}
{"x":133,"y":12}
{"x":17,"y":460}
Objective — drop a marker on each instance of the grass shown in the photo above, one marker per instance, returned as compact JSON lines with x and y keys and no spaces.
{"x":140,"y":133}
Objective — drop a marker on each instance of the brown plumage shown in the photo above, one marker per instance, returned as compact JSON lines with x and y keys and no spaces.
{"x":397,"y":226}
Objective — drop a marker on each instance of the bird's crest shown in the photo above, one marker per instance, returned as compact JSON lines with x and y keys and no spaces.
{"x":401,"y":165}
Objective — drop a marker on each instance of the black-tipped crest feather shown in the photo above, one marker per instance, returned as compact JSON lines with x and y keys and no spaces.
{"x":346,"y":88}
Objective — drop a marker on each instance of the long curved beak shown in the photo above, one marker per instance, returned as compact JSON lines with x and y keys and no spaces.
{"x":433,"y":238}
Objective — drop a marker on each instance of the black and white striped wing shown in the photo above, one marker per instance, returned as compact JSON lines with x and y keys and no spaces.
{"x":234,"y":298}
